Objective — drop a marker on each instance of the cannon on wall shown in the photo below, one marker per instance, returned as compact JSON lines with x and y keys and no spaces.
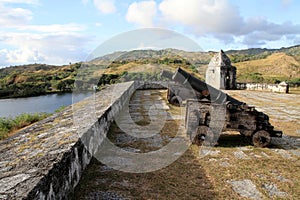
{"x":210,"y":111}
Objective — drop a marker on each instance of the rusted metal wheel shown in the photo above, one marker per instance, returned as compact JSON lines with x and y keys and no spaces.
{"x":261,"y":138}
{"x":176,"y":101}
{"x":199,"y":135}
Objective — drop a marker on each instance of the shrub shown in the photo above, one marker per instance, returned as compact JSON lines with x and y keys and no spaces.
{"x":8,"y":125}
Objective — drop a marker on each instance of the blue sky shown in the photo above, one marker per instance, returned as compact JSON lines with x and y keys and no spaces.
{"x":63,"y":31}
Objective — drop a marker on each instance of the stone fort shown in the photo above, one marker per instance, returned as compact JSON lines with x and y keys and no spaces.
{"x":220,"y":73}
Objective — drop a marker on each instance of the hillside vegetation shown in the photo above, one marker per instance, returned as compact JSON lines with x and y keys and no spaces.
{"x":276,"y":67}
{"x":253,"y":65}
{"x":258,"y":53}
{"x":36,"y":79}
{"x":8,"y":126}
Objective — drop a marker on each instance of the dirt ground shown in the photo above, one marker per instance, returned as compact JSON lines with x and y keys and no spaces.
{"x":234,"y":169}
{"x":283,"y":109}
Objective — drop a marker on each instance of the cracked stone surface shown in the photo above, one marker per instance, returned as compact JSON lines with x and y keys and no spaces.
{"x":10,"y":182}
{"x":240,"y":155}
{"x":246,"y":188}
{"x":285,"y":154}
{"x":29,"y":155}
{"x":146,"y":107}
{"x":141,"y":110}
{"x":225,"y":164}
{"x":273,"y":190}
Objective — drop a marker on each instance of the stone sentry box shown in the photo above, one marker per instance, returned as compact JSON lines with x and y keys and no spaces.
{"x":220,"y":73}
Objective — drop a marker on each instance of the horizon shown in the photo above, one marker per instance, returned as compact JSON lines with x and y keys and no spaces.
{"x":66,"y":64}
{"x":59,"y":32}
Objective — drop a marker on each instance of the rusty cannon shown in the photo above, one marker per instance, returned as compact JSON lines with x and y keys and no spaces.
{"x":210,"y":111}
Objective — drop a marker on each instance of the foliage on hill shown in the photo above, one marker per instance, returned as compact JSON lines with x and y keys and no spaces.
{"x":253,"y":65}
{"x":36,"y":79}
{"x":274,"y":68}
{"x":165,"y":56}
{"x":258,"y":53}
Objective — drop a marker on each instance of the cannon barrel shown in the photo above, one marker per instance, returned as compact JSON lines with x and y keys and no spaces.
{"x":166,"y":74}
{"x":239,"y":116}
{"x":186,"y":79}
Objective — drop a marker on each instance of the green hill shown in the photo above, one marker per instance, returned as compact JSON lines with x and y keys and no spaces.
{"x":253,"y":65}
{"x":275,"y":67}
{"x":259,"y":53}
{"x":36,"y":79}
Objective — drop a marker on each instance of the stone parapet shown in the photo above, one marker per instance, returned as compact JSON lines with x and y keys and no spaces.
{"x":46,"y":160}
{"x":282,"y":87}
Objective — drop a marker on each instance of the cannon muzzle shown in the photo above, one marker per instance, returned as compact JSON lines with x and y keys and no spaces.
{"x":189,"y":81}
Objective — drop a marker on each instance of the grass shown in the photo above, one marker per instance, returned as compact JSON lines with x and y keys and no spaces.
{"x":276,"y":66}
{"x":60,"y":109}
{"x":195,"y":177}
{"x":184,"y":179}
{"x":10,"y":125}
{"x":260,"y":170}
{"x":294,"y":90}
{"x":192,"y":177}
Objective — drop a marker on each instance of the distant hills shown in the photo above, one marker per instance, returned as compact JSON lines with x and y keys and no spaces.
{"x":275,"y":67}
{"x":253,"y":65}
{"x":293,"y":51}
{"x":199,"y":57}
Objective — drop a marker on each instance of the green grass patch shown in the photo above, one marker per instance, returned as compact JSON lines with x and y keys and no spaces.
{"x":8,"y":125}
{"x":60,"y":109}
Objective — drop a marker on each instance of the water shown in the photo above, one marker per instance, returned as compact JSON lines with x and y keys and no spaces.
{"x":46,"y":103}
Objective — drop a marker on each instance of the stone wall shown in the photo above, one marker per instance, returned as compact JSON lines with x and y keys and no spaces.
{"x":153,"y":85}
{"x":281,"y":87}
{"x":46,"y":160}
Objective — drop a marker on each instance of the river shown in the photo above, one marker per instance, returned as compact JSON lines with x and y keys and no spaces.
{"x":45,"y":103}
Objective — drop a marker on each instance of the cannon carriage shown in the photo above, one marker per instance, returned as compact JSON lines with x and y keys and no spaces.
{"x":210,"y":111}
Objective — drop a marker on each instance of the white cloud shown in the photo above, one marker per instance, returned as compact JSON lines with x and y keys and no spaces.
{"x":296,"y":40}
{"x":53,"y":28}
{"x":142,"y":13}
{"x":105,"y":6}
{"x":22,"y":42}
{"x":59,"y":48}
{"x":98,"y":24}
{"x":221,"y":19}
{"x":21,"y":56}
{"x":10,"y":17}
{"x":203,"y":16}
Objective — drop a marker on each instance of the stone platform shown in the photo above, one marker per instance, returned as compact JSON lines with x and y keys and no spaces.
{"x":46,"y":160}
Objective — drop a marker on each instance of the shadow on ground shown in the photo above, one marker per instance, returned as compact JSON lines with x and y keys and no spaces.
{"x":233,"y":140}
{"x":237,"y":140}
{"x":184,"y":179}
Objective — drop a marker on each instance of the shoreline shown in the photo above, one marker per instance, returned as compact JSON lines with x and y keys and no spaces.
{"x":36,"y":95}
{"x":43,"y":94}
